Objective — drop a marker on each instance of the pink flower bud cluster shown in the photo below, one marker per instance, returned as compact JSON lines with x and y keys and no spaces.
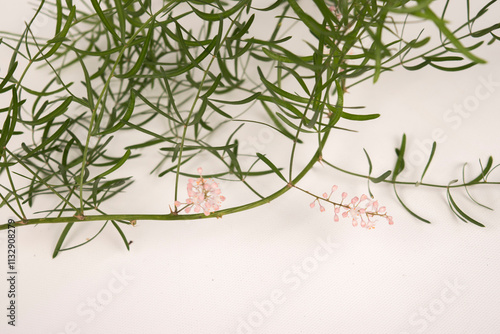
{"x":204,"y":195}
{"x":335,"y":11}
{"x":362,"y":210}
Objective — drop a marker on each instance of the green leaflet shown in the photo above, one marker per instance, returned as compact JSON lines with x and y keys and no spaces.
{"x":142,"y":56}
{"x":433,"y":150}
{"x":60,"y":241}
{"x":460,"y":214}
{"x":126,"y":117}
{"x":61,"y":109}
{"x":60,"y":37}
{"x":104,"y":20}
{"x":117,"y":165}
{"x":272,"y":166}
{"x":400,"y":162}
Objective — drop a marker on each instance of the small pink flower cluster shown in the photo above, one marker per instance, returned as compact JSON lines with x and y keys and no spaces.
{"x":204,"y":195}
{"x":335,"y":11}
{"x":362,"y":210}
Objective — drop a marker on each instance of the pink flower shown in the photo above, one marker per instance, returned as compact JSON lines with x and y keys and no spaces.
{"x":363,"y":211}
{"x":335,"y":11}
{"x":204,"y":195}
{"x":389,"y":218}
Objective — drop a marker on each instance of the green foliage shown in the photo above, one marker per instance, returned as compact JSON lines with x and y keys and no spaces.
{"x":181,"y":81}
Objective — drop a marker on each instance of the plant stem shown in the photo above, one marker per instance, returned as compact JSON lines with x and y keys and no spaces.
{"x":416,"y":183}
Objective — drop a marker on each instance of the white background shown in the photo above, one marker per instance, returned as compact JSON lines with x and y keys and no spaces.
{"x":286,"y":268}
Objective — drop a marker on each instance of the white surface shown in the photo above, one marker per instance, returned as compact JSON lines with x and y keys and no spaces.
{"x":286,"y":268}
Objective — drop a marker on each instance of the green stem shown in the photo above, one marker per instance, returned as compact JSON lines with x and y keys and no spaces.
{"x":416,"y":183}
{"x":171,"y":216}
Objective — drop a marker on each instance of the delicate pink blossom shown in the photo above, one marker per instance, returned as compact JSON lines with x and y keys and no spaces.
{"x":363,"y":210}
{"x":335,"y":11}
{"x":204,"y":195}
